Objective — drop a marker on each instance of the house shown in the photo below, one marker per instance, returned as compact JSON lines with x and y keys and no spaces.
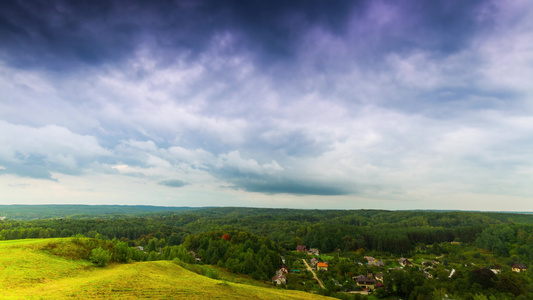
{"x":365,"y":282}
{"x":313,"y":262}
{"x":313,"y":251}
{"x":369,"y":259}
{"x":140,"y":248}
{"x":322,"y":266}
{"x":374,"y":262}
{"x":279,"y":279}
{"x":405,"y":262}
{"x":519,"y":268}
{"x":427,"y":275}
{"x":301,"y":248}
{"x":196,"y":257}
{"x":455,"y":243}
{"x":379,"y":276}
{"x":282,"y":270}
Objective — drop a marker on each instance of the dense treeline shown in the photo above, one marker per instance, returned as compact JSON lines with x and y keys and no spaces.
{"x":386,"y":231}
{"x":141,"y":229}
{"x":506,"y":240}
{"x":30,"y":212}
{"x":403,"y":240}
{"x":102,"y":251}
{"x":239,"y":252}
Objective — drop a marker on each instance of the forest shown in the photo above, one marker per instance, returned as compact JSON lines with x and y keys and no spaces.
{"x":255,"y":241}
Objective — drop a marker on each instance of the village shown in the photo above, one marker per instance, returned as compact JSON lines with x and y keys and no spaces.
{"x":364,"y":274}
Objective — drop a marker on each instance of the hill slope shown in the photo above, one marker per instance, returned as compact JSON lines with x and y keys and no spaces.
{"x":27,"y":272}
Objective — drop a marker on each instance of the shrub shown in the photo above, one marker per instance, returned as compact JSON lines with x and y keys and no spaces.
{"x":214,"y":274}
{"x":100,"y":257}
{"x":123,"y":253}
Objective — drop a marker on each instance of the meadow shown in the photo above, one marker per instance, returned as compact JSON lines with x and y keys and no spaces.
{"x":28,"y":271}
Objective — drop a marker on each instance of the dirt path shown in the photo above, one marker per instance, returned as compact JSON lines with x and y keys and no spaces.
{"x":314,"y":275}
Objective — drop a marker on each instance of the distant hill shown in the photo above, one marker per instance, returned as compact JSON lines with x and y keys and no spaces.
{"x":28,"y":272}
{"x":31,"y":212}
{"x":75,"y":211}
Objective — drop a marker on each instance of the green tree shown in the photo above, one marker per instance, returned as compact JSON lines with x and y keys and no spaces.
{"x":152,"y":245}
{"x":100,"y":257}
{"x":153,"y":256}
{"x":445,"y":262}
{"x":511,"y":282}
{"x":123,"y":253}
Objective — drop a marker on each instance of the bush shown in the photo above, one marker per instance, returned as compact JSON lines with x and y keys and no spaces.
{"x":75,"y":248}
{"x":211,"y":273}
{"x":123,"y":253}
{"x":100,"y":257}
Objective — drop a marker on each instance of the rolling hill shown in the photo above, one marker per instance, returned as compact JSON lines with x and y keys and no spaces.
{"x":29,"y":272}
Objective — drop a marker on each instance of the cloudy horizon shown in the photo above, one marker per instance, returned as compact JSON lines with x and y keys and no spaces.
{"x":299,"y":104}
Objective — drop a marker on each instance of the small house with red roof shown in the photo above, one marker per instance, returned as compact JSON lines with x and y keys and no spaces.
{"x":301,"y":248}
{"x":322,"y":266}
{"x":279,"y":279}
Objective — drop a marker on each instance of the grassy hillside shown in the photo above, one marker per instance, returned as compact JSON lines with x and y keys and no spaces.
{"x":28,"y":272}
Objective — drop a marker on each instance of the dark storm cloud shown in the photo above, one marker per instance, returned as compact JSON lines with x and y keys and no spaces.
{"x":282,"y":184}
{"x":272,"y":179}
{"x":68,"y":34}
{"x":63,"y":34}
{"x":440,"y":26}
{"x":40,"y":166}
{"x":33,"y":168}
{"x":289,"y":186}
{"x":172,"y":183}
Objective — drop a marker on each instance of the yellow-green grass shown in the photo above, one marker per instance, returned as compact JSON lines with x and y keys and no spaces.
{"x":224,"y":274}
{"x":27,"y":272}
{"x":23,"y":264}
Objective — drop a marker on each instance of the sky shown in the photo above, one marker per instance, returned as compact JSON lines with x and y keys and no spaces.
{"x":298,"y":104}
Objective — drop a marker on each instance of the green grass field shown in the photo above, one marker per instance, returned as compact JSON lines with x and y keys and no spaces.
{"x":28,"y":272}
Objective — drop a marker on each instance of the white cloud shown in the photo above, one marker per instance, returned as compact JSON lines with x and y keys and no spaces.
{"x":233,"y":160}
{"x":121,"y":167}
{"x":57,"y":143}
